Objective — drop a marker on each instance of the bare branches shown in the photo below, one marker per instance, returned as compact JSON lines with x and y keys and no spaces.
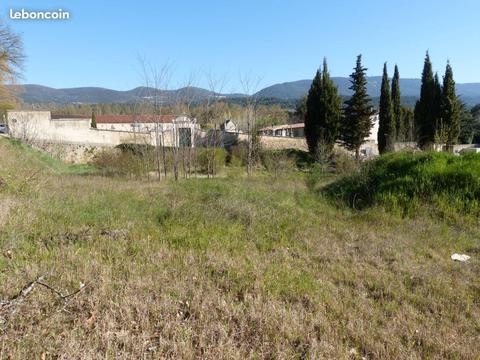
{"x":11,"y":306}
{"x":11,"y":53}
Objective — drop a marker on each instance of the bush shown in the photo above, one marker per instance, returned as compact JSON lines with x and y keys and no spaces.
{"x":277,"y":162}
{"x":136,"y":149}
{"x":211,"y":160}
{"x":345,"y":164}
{"x":114,"y":162}
{"x":403,"y":181}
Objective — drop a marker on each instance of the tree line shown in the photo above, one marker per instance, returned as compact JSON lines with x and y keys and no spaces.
{"x":439,"y":116}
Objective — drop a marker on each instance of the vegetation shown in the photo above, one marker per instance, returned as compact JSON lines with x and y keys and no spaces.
{"x":228,"y":267}
{"x":387,"y":123}
{"x":322,"y":114}
{"x":356,"y":122}
{"x":425,"y":108}
{"x":11,"y":62}
{"x":450,"y":109}
{"x":446,"y":184}
{"x":400,"y":131}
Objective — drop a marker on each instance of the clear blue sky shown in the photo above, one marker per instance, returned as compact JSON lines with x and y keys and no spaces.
{"x":275,"y":40}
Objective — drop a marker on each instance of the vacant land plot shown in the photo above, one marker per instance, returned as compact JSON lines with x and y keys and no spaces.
{"x":236,"y":267}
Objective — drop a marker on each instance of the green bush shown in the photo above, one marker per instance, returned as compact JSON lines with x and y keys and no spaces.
{"x":211,"y":160}
{"x":277,"y":161}
{"x":403,"y":181}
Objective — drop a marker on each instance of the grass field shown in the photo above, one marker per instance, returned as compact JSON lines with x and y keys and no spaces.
{"x":233,"y":267}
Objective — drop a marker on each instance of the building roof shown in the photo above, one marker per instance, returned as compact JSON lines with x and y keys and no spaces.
{"x":284,"y":126}
{"x":57,"y":117}
{"x":121,"y":119}
{"x":129,"y":119}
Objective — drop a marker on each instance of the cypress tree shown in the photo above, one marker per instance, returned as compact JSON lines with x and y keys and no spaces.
{"x":409,"y":123}
{"x":323,"y":112}
{"x":397,"y":109}
{"x":357,"y":122}
{"x":450,"y":110}
{"x":386,"y":126}
{"x":312,"y":114}
{"x":330,"y":112}
{"x":94,"y":121}
{"x":425,"y":117}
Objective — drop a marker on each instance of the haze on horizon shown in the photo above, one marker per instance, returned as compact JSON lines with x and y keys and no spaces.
{"x":271,"y":40}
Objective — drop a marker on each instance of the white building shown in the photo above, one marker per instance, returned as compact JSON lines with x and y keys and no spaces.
{"x":112,"y":130}
{"x":298,"y":130}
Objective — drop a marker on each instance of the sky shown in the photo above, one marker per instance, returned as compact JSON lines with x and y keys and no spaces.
{"x":266,"y":41}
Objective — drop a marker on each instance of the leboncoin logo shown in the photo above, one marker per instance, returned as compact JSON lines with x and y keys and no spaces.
{"x":39,"y":15}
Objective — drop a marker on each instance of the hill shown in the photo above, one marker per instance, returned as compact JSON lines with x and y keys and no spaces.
{"x":470,"y":92}
{"x":278,"y":93}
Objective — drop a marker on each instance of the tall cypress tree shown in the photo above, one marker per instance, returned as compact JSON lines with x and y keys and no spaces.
{"x":93,"y":124}
{"x":397,"y":108}
{"x":450,"y":109}
{"x":437,"y":103}
{"x":357,"y":122}
{"x":322,"y":118}
{"x":425,"y":117}
{"x":330,"y":112}
{"x":312,"y":114}
{"x":386,"y":126}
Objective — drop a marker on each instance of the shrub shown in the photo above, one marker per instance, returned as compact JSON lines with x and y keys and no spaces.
{"x":403,"y":181}
{"x":211,"y":160}
{"x":238,"y":155}
{"x":277,"y":162}
{"x":114,"y":162}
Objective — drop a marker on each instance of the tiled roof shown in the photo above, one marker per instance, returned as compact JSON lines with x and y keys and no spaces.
{"x":57,"y":117}
{"x":129,"y":119}
{"x":285,"y":126}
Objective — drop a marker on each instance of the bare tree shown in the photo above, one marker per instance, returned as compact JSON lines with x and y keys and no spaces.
{"x":11,"y":62}
{"x":156,"y":85}
{"x":250,"y":85}
{"x":216,"y":85}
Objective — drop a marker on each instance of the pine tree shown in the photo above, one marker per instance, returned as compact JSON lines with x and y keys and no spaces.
{"x":386,"y":127}
{"x":425,"y":114}
{"x":358,"y":111}
{"x":397,"y":109}
{"x":312,"y":114}
{"x":450,"y":110}
{"x":323,"y":112}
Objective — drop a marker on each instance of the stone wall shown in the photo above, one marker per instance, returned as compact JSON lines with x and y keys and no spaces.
{"x":70,"y":153}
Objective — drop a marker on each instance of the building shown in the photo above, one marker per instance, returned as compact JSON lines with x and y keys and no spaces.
{"x":229,"y":126}
{"x":287,"y":130}
{"x":298,"y":130}
{"x":111,"y":130}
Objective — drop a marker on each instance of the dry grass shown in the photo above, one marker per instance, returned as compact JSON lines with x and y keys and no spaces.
{"x":229,"y":268}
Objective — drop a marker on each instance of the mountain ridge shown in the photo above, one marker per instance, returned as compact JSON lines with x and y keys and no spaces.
{"x":290,"y":90}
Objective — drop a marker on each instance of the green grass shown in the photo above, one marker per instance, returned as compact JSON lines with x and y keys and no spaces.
{"x":233,"y":267}
{"x":46,"y":161}
{"x":405,"y":182}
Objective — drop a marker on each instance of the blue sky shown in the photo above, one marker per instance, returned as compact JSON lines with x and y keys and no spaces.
{"x":272,"y":40}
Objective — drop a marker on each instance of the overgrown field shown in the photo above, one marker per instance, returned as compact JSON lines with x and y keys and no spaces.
{"x":230,"y":267}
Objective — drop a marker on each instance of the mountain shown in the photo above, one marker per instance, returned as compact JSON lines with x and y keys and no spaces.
{"x":284,"y":92}
{"x":35,"y":94}
{"x":469,"y":92}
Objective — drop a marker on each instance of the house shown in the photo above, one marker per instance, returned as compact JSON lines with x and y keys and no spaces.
{"x":287,"y":130}
{"x":298,"y":130}
{"x":167,"y":129}
{"x":230,"y":127}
